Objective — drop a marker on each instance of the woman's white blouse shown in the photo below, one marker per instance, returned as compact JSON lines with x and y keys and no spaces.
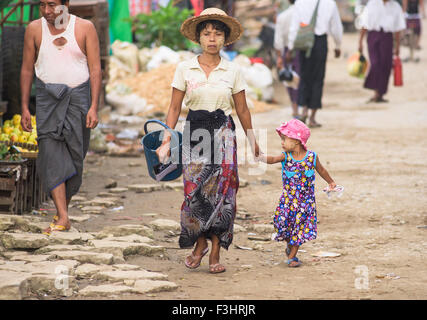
{"x":379,"y":15}
{"x":212,"y":93}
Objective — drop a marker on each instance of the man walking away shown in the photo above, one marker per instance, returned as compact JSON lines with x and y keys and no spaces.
{"x":313,"y":68}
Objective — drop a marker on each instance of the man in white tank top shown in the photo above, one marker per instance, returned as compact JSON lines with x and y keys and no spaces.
{"x":63,"y":50}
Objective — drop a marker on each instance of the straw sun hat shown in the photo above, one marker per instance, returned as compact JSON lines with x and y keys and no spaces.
{"x":188,"y":27}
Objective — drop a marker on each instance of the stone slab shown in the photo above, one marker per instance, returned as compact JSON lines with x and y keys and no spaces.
{"x":118,"y":190}
{"x":70,"y":237}
{"x":262,"y":228}
{"x":144,"y":188}
{"x":23,"y":240}
{"x":61,"y":247}
{"x":128,"y":248}
{"x":59,"y":284}
{"x":85,"y":256}
{"x":13,"y":285}
{"x":79,"y":219}
{"x":150,"y":286}
{"x":165,"y":225}
{"x":120,"y":275}
{"x":239,"y":228}
{"x":93,"y":209}
{"x":40,"y":268}
{"x":105,"y":290}
{"x":125,"y":230}
{"x":131,"y":238}
{"x":24,"y":256}
{"x":88,"y":270}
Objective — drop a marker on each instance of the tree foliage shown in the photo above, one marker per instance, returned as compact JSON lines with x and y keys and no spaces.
{"x":161,"y":27}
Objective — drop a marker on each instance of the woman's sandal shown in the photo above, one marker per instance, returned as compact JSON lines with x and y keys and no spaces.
{"x":377,"y":100}
{"x":295,"y":259}
{"x":216,"y":268}
{"x":194,"y":257}
{"x":381,"y":100}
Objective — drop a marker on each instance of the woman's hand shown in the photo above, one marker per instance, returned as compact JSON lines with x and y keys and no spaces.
{"x":255,"y":150}
{"x":163,"y":152}
{"x":361,"y":48}
{"x":262,"y":157}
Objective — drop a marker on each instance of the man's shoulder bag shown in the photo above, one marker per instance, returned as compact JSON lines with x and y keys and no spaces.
{"x":305,"y":36}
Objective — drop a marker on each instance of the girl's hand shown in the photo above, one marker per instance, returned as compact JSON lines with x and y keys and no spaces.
{"x":163,"y":152}
{"x":332,"y":186}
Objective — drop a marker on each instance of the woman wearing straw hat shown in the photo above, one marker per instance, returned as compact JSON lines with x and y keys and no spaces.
{"x":211,"y":87}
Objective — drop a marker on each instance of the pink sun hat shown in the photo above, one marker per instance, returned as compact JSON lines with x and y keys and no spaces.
{"x":295,"y":129}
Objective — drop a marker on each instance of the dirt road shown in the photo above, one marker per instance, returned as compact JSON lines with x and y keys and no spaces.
{"x":377,"y":151}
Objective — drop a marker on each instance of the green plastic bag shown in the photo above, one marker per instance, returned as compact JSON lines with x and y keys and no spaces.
{"x":305,"y":36}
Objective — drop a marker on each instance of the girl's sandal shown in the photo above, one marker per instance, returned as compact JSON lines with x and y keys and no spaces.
{"x":194,"y":257}
{"x":216,"y":268}
{"x":294,"y":265}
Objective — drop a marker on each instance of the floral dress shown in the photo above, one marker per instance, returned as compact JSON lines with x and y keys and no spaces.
{"x":295,"y":218}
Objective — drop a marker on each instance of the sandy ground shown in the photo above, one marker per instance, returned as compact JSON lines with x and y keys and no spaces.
{"x":376,"y":151}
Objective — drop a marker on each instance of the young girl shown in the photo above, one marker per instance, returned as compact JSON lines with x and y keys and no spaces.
{"x":295,"y":218}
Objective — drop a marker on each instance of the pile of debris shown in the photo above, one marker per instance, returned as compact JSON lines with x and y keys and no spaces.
{"x":140,"y":80}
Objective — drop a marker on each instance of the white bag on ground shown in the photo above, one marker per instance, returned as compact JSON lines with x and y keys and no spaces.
{"x":258,"y":76}
{"x":117,"y":70}
{"x":126,"y":104}
{"x":161,"y":55}
{"x":242,"y":61}
{"x":97,"y":141}
{"x":127,"y":53}
{"x":260,"y":79}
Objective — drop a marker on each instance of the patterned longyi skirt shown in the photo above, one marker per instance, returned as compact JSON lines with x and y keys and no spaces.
{"x":209,"y":156}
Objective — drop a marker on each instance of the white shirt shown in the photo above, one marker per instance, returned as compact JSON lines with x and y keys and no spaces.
{"x":379,"y":15}
{"x":212,"y":93}
{"x":281,"y":31}
{"x":328,"y":20}
{"x":66,"y":64}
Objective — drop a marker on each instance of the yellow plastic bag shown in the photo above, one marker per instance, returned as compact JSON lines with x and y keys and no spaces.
{"x":357,"y":65}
